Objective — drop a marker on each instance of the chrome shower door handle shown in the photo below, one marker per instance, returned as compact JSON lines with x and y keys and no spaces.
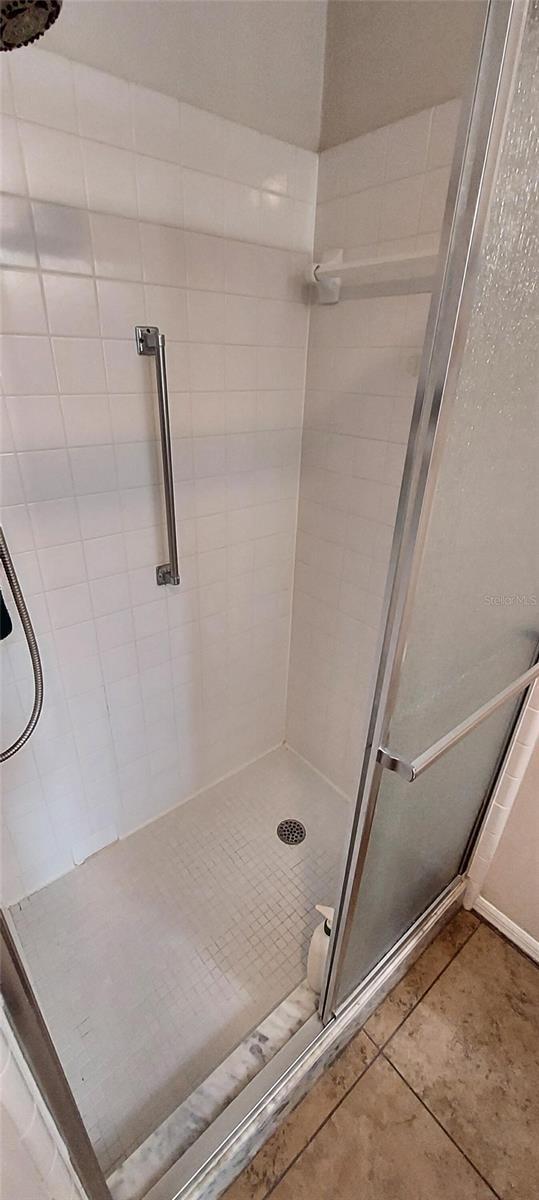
{"x":410,"y":771}
{"x":150,"y":341}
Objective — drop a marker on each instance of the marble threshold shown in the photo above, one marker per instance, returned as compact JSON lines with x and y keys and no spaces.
{"x":162,"y":1148}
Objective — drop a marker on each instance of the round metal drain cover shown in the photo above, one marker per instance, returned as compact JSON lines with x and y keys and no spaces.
{"x":291,"y":831}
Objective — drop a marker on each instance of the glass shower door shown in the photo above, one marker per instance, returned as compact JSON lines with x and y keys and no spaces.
{"x":468,"y":625}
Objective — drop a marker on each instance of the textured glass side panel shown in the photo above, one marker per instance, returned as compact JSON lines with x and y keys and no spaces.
{"x":475,"y":622}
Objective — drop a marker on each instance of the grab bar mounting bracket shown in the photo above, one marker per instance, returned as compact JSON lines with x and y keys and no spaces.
{"x":146,"y":337}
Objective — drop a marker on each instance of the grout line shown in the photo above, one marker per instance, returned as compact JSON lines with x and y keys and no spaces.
{"x":309,"y":304}
{"x":427,"y":990}
{"x":281,"y":248}
{"x":440,"y":1125}
{"x":326,"y":779}
{"x":505,"y":938}
{"x":102,"y":277}
{"x":178,"y":162}
{"x":379,"y":1052}
{"x":326,"y":1118}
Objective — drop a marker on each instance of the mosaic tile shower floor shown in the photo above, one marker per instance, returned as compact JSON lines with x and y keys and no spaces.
{"x":158,"y":955}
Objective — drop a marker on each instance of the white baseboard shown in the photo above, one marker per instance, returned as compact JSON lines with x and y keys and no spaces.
{"x":523,"y":940}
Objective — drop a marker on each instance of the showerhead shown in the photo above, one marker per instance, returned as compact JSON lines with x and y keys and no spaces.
{"x":24,"y":21}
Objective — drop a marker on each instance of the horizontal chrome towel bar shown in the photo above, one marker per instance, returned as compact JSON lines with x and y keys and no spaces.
{"x":412,"y":770}
{"x":151,"y":342}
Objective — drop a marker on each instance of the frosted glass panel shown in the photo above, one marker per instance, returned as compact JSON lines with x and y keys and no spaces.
{"x":475,"y":623}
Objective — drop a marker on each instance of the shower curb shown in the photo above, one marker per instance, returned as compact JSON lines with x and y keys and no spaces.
{"x":208,"y":1167}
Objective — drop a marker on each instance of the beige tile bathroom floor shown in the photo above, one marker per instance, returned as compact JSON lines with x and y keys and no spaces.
{"x":437,"y":1098}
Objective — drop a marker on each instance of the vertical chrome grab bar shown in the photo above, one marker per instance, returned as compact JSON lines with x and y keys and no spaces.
{"x":151,"y":342}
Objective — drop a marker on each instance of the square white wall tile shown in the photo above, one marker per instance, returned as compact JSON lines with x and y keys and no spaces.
{"x":46,"y":475}
{"x":204,"y":198}
{"x":86,"y":420}
{"x":203,"y":140}
{"x":12,"y":169}
{"x":79,"y":364}
{"x":63,"y":238}
{"x":36,"y":422}
{"x":94,"y":469}
{"x":126,"y":370}
{"x":159,"y":191}
{"x":54,"y":522}
{"x":246,"y":156}
{"x":407,"y":143}
{"x":53,"y":162}
{"x":205,"y":260}
{"x":21,"y":303}
{"x":121,"y":307}
{"x":110,"y":594}
{"x":443,"y":132}
{"x":134,"y":417}
{"x":17,"y":246}
{"x":163,"y":255}
{"x":400,"y":203}
{"x":17,"y":527}
{"x":43,"y":89}
{"x":167,"y":308}
{"x":116,"y":246}
{"x":137,"y":464}
{"x":99,"y":512}
{"x":206,"y":316}
{"x":109,"y":174}
{"x":71,"y":305}
{"x":63,"y":565}
{"x":353,"y":166}
{"x":305,"y":175}
{"x":277,"y":222}
{"x":242,"y":211}
{"x":12,"y":492}
{"x":433,"y":200}
{"x":156,"y":123}
{"x":105,"y":556}
{"x":27,"y":365}
{"x":103,"y":107}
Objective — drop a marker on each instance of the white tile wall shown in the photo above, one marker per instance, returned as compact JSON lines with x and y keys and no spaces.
{"x":388,"y":185}
{"x":384,"y":192}
{"x":112,"y":217}
{"x":87,"y":139}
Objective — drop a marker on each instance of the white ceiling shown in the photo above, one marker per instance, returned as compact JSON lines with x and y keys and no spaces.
{"x":261,"y":62}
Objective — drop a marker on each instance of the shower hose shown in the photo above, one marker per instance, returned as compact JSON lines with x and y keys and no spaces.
{"x":5,"y":558}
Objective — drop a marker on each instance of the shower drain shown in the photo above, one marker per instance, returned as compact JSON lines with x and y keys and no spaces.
{"x":291,"y":831}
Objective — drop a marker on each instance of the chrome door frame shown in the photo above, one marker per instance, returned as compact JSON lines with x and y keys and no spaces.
{"x":27,"y":1022}
{"x":478,"y":149}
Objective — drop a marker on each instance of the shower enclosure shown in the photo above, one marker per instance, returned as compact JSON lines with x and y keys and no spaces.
{"x":294,"y":585}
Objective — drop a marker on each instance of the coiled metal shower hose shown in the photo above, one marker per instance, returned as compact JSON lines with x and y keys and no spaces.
{"x":5,"y":558}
